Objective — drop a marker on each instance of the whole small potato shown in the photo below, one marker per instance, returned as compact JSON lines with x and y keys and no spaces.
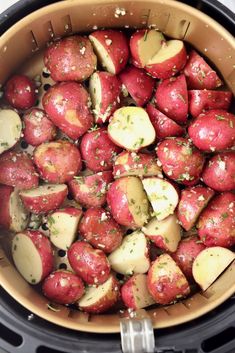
{"x":219,"y":172}
{"x":180,"y":160}
{"x":57,"y":162}
{"x":37,"y":127}
{"x":216,"y":225}
{"x":63,"y":287}
{"x":90,"y":264}
{"x":70,"y":59}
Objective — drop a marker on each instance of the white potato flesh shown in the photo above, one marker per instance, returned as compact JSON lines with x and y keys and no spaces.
{"x":164,"y":265}
{"x":149,"y":45}
{"x":103,"y":55}
{"x":140,"y":291}
{"x":210,"y":263}
{"x":169,"y":50}
{"x":162,"y":196}
{"x":44,"y":190}
{"x":10,"y":129}
{"x":95,"y":91}
{"x":63,"y":229}
{"x":131,"y":256}
{"x":131,"y":128}
{"x":27,"y":258}
{"x":168,"y":228}
{"x":19,"y":215}
{"x":137,"y":201}
{"x":94,"y":295}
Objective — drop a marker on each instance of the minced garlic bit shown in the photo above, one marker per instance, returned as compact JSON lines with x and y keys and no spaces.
{"x":119,"y":11}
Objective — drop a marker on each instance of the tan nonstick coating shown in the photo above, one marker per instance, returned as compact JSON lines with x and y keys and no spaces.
{"x":32,"y":33}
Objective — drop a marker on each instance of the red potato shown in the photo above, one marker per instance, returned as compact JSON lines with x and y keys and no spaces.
{"x":20,"y":93}
{"x":17,"y":170}
{"x":128,"y":202}
{"x":165,"y":234}
{"x":13,"y":215}
{"x":33,"y":256}
{"x":168,"y":61}
{"x":162,"y":195}
{"x":98,"y":151}
{"x":70,"y":59}
{"x":180,"y":160}
{"x":192,"y":201}
{"x":63,"y":287}
{"x":135,"y":294}
{"x":132,"y":256}
{"x":139,"y":85}
{"x":44,"y":198}
{"x":216,"y":224}
{"x":165,"y":281}
{"x":105,"y":92}
{"x":58,"y":161}
{"x":186,"y":253}
{"x":132,"y":163}
{"x":90,"y":264}
{"x":67,"y":105}
{"x":131,"y":128}
{"x":172,"y":98}
{"x":213,"y":131}
{"x":144,"y":43}
{"x":91,"y":190}
{"x":63,"y":226}
{"x":199,"y":74}
{"x":201,"y":100}
{"x":100,"y":230}
{"x":219,"y":172}
{"x":100,"y":298}
{"x":37,"y":127}
{"x":10,"y":129}
{"x":164,"y":126}
{"x":111,"y":48}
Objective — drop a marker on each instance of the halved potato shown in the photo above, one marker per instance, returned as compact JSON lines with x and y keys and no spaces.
{"x":10,"y":129}
{"x":210,"y":263}
{"x":132,"y":255}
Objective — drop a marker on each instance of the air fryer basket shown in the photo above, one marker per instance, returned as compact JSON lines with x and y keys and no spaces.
{"x":22,"y":43}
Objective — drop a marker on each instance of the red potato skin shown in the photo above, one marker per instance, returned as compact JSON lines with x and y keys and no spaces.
{"x":101,"y":234}
{"x":213,"y":131}
{"x":91,"y":190}
{"x":118,"y":50}
{"x":172,"y":98}
{"x":165,"y":290}
{"x":110,"y":92}
{"x":43,"y":245}
{"x":20,"y":92}
{"x":168,"y":68}
{"x":187,"y":251}
{"x":199,"y":74}
{"x":90,"y":264}
{"x":135,"y":162}
{"x":98,"y":150}
{"x":127,"y":293}
{"x":70,"y":59}
{"x":216,"y":225}
{"x":220,"y":176}
{"x":63,"y":287}
{"x":164,"y":126}
{"x":202,"y":100}
{"x":5,"y":195}
{"x":37,"y":127}
{"x":139,"y":34}
{"x":17,"y":170}
{"x":181,"y":162}
{"x":192,"y":201}
{"x":57,"y":162}
{"x":118,"y":203}
{"x":66,"y":104}
{"x":44,"y":203}
{"x":139,"y":85}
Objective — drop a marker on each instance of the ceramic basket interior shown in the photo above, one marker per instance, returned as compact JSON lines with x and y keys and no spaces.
{"x":19,"y":47}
